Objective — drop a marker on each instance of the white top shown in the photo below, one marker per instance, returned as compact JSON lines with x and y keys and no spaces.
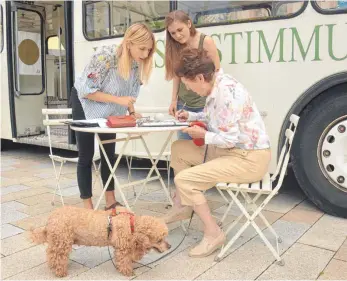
{"x":232,"y":117}
{"x":127,"y":130}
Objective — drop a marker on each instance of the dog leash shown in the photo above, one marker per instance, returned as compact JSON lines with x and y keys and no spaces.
{"x":147,"y":264}
{"x":184,"y":237}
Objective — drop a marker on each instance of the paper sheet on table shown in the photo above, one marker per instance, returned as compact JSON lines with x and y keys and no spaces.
{"x":164,"y":123}
{"x":102,"y":123}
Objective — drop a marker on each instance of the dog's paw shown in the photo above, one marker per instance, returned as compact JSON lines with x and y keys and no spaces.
{"x":61,"y":273}
{"x":127,"y":271}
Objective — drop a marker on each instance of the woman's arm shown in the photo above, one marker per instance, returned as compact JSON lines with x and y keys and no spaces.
{"x":175,"y":88}
{"x":134,"y":90}
{"x":89,"y":84}
{"x":212,"y":51}
{"x":229,"y":114}
{"x":103,"y":97}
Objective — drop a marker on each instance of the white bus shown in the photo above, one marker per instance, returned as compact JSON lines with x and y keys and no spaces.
{"x":291,"y":55}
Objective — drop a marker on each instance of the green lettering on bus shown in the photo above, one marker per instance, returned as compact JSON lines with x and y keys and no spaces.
{"x":219,"y":52}
{"x":249,"y":46}
{"x":330,"y":43}
{"x":262,"y":42}
{"x":160,"y":54}
{"x":232,"y":45}
{"x":296,"y":37}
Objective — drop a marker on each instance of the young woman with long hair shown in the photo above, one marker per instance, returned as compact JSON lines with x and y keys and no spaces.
{"x":109,"y":85}
{"x":180,"y":34}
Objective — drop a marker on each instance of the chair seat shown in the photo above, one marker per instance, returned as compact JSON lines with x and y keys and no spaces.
{"x":263,"y":186}
{"x":145,"y":155}
{"x":70,"y":159}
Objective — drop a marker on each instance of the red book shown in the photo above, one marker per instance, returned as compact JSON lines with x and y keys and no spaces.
{"x":121,"y":121}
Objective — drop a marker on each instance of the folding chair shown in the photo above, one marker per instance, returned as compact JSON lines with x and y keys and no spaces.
{"x":56,"y":158}
{"x":264,"y":187}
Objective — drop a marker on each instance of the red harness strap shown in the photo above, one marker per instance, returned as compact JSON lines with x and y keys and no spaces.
{"x":114,"y":213}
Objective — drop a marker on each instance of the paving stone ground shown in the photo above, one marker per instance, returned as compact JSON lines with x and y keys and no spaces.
{"x":314,"y":244}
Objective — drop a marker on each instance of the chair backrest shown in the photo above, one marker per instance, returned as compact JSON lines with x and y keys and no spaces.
{"x":48,"y":121}
{"x":285,"y":151}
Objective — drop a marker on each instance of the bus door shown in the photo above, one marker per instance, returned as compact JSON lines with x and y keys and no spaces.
{"x":28,"y":68}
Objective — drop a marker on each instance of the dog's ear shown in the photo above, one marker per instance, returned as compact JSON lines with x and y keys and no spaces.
{"x":153,"y":227}
{"x":141,"y":241}
{"x":121,"y":236}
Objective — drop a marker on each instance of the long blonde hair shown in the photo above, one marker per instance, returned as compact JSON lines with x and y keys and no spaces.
{"x":137,"y":34}
{"x":172,"y":47}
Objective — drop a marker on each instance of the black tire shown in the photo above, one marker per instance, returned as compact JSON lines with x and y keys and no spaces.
{"x":326,"y":108}
{"x":5,"y":144}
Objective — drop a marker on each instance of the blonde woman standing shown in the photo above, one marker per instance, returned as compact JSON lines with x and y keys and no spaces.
{"x":109,"y":85}
{"x":180,"y":34}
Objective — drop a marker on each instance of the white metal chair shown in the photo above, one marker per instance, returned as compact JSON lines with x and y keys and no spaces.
{"x":48,"y":122}
{"x":264,"y":187}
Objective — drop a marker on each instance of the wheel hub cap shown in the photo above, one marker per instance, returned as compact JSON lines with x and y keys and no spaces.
{"x":332,"y":153}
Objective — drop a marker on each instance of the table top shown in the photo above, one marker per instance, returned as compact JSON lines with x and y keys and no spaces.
{"x":127,"y":130}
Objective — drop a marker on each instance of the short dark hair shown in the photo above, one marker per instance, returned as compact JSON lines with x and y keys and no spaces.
{"x":193,"y":62}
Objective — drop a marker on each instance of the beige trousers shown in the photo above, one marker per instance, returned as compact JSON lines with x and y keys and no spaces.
{"x":222,"y":165}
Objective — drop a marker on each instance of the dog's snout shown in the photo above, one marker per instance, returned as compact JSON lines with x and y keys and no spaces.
{"x":169,"y":246}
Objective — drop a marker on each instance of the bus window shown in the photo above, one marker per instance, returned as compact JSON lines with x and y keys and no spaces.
{"x":96,"y":19}
{"x":286,"y":8}
{"x":111,"y":18}
{"x":206,"y":13}
{"x":331,"y":5}
{"x":53,"y":46}
{"x":125,"y":13}
{"x":1,"y":30}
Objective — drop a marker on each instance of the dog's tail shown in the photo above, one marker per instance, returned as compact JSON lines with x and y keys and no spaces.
{"x":39,"y":235}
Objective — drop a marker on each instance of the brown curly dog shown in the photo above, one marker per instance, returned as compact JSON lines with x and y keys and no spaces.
{"x":72,"y":225}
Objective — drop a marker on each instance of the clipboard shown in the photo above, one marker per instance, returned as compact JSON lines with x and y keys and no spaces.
{"x":84,"y":123}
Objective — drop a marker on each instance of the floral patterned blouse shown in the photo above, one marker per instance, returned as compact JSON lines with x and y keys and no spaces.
{"x":232,"y":117}
{"x":100,"y":74}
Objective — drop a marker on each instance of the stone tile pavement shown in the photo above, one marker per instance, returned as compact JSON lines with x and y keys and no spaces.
{"x":314,"y":244}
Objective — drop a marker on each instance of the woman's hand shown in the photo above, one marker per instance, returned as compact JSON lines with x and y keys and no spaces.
{"x":136,"y":115}
{"x":173,"y":108}
{"x":126,"y":101}
{"x":182,"y":115}
{"x":196,"y":132}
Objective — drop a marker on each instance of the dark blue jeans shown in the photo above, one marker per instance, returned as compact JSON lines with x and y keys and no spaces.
{"x":181,"y":135}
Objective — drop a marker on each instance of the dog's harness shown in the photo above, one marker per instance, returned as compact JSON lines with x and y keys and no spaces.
{"x":115,"y":213}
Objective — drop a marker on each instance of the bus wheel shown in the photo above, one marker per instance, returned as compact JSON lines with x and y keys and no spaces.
{"x":5,"y":144}
{"x":320,"y":151}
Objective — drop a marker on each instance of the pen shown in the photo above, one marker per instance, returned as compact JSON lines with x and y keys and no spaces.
{"x":182,"y":108}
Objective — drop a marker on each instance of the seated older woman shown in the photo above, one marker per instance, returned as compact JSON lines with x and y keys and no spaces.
{"x":238,"y":145}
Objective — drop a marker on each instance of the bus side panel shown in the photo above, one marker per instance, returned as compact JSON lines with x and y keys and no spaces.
{"x":6,"y":132}
{"x":276,"y":60}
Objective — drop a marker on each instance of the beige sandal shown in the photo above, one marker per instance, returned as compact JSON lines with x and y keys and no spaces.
{"x":178,"y":214}
{"x":206,"y":247}
{"x":114,"y":205}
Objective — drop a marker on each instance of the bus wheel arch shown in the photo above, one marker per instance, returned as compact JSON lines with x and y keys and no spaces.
{"x":323,"y":109}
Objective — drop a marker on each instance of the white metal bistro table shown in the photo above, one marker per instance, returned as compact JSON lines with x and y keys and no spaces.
{"x":132,"y":133}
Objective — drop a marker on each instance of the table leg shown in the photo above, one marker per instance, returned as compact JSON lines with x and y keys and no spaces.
{"x":154,"y":168}
{"x":113,"y":170}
